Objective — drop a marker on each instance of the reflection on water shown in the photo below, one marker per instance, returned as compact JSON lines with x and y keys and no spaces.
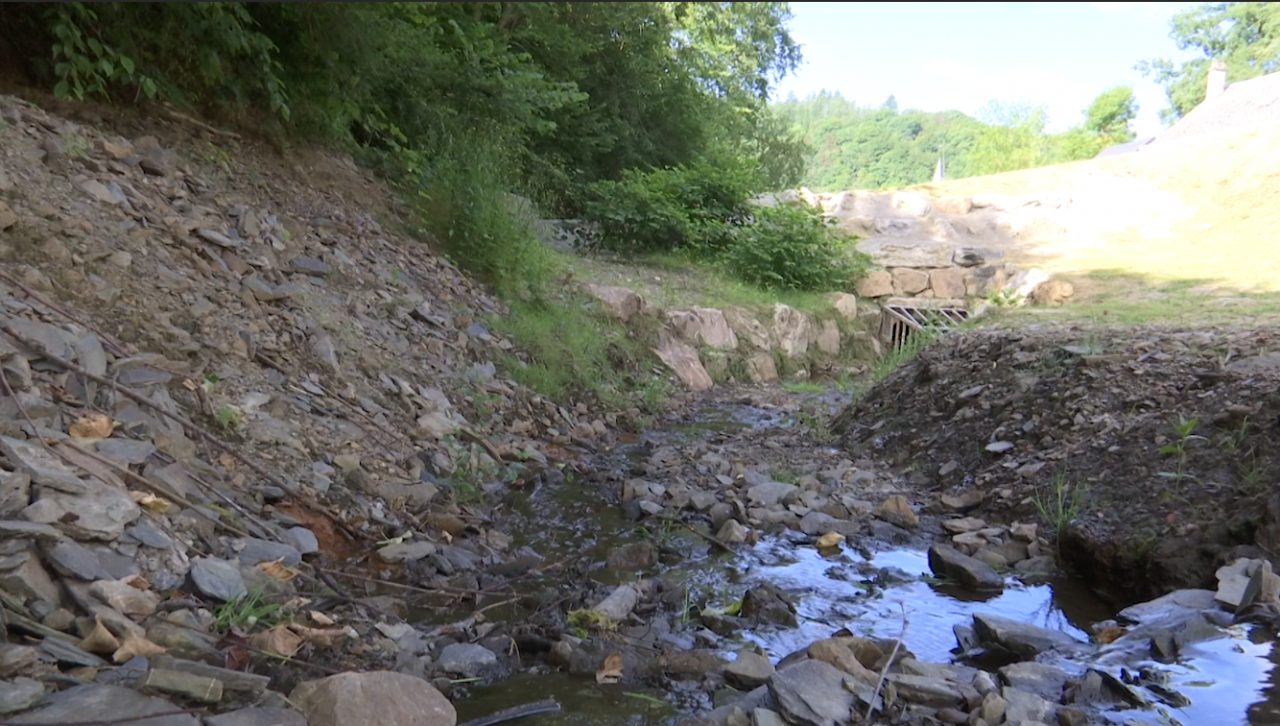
{"x":582,"y":702}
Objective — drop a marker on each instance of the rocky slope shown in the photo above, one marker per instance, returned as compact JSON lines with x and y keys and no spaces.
{"x":1153,"y":448}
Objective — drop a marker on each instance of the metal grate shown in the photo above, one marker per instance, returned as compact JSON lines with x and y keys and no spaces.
{"x":902,"y":318}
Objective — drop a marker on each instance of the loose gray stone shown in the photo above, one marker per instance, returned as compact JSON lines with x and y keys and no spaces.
{"x":302,"y":539}
{"x":750,"y":670}
{"x":257,"y":717}
{"x":19,"y":529}
{"x":144,"y":376}
{"x":217,"y":578}
{"x":19,"y":694}
{"x":406,"y":551}
{"x":381,"y":697}
{"x":126,"y":451}
{"x":100,"y":512}
{"x":926,"y":690}
{"x":67,"y":654}
{"x":260,"y":550}
{"x":72,"y":559}
{"x":1023,"y":639}
{"x":466,"y":659}
{"x":812,"y":693}
{"x":54,"y":339}
{"x":1043,"y":680}
{"x":769,"y":493}
{"x":106,"y":703}
{"x":149,"y":535}
{"x":1023,"y":707}
{"x":308,"y":266}
{"x":42,"y":466}
{"x":972,"y":574}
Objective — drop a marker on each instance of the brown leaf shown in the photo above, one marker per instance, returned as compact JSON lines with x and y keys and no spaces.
{"x":227,"y":461}
{"x":133,"y":646}
{"x":280,"y":640}
{"x":322,"y":638}
{"x":1110,"y":635}
{"x":611,"y":671}
{"x":237,"y":659}
{"x":320,"y":618}
{"x":277,"y":569}
{"x":154,"y":504}
{"x":137,"y":582}
{"x":91,"y":426}
{"x":100,"y":640}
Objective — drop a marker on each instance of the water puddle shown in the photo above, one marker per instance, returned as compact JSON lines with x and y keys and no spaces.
{"x":582,"y":702}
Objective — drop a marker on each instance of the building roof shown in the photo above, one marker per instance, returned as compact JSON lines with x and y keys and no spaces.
{"x":1244,"y":106}
{"x":1126,"y":148}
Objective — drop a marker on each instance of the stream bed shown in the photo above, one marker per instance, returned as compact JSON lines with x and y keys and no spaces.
{"x":1230,"y":680}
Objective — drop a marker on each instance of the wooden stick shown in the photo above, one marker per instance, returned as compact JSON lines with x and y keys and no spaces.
{"x":143,"y":400}
{"x":871,"y":705}
{"x":106,"y":339}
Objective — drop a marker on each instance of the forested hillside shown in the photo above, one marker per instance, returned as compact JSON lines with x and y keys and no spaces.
{"x":855,"y":147}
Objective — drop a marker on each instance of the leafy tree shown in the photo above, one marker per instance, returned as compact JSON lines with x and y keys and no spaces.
{"x":1110,"y":114}
{"x":1244,"y":35}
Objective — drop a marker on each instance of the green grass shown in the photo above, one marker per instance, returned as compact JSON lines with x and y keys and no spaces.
{"x":804,"y":387}
{"x":568,"y":348}
{"x":1119,"y":297}
{"x":248,"y":611}
{"x":672,"y":280}
{"x":1061,"y":505}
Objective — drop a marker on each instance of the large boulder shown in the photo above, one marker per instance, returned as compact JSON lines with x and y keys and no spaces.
{"x":828,"y":338}
{"x":761,"y":368}
{"x":812,"y":693}
{"x":1022,"y":639}
{"x":1052,"y":292}
{"x":618,"y":302}
{"x":706,"y":324}
{"x":947,"y":282}
{"x":972,"y":574}
{"x":845,"y":304}
{"x":907,"y":281}
{"x":878,"y":283}
{"x":379,"y":698}
{"x":792,"y":330}
{"x":745,"y":325}
{"x":912,"y":203}
{"x":905,"y":252}
{"x":684,"y":361}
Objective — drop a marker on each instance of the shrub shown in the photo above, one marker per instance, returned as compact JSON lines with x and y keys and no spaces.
{"x":687,"y":207}
{"x":792,"y":247}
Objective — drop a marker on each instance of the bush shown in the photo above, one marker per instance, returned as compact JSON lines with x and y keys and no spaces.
{"x":792,"y":247}
{"x":692,"y":207}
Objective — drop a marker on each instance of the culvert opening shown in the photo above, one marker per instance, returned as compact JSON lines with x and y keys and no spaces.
{"x":902,"y":319}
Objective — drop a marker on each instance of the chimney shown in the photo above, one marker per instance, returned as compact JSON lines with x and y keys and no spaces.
{"x":1217,"y":79}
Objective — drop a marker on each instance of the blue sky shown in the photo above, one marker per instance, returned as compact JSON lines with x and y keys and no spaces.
{"x":939,"y":56}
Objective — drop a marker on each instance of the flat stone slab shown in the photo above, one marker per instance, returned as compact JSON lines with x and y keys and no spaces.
{"x":1023,"y":639}
{"x":907,"y":252}
{"x":112,"y":704}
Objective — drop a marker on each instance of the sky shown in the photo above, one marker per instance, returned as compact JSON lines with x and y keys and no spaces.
{"x":941,"y":56}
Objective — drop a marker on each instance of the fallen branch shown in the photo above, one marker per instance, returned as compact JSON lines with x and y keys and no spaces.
{"x":871,"y":704}
{"x":106,"y":340}
{"x":179,"y":116}
{"x":144,"y":401}
{"x":409,"y":588}
{"x":515,"y":712}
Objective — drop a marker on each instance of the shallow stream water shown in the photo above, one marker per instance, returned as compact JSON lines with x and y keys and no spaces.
{"x":1230,"y":681}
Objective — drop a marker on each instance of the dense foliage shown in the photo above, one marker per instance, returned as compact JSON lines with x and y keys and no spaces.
{"x":869,"y":148}
{"x":1245,"y":36}
{"x":792,"y":247}
{"x":549,"y":98}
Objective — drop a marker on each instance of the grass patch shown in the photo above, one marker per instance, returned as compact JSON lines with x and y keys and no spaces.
{"x":567,"y":348}
{"x":248,"y":611}
{"x":895,"y":359}
{"x":1061,"y":504}
{"x":804,"y":387}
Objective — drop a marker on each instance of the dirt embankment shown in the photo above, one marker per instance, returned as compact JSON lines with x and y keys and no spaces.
{"x":1156,"y":445}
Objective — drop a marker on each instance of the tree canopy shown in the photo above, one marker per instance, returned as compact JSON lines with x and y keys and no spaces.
{"x":855,"y":147}
{"x":1244,"y":35}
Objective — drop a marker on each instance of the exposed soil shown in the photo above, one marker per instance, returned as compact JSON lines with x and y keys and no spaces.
{"x":1096,"y":412}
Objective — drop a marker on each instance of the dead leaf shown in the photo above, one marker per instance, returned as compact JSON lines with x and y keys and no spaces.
{"x":278,"y":570}
{"x":280,"y":640}
{"x":829,"y":540}
{"x":100,"y":640}
{"x":227,"y":461}
{"x":153,"y":504}
{"x":237,"y":659}
{"x":611,"y":671}
{"x":321,"y":619}
{"x":91,"y":426}
{"x":137,"y":582}
{"x":134,"y":646}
